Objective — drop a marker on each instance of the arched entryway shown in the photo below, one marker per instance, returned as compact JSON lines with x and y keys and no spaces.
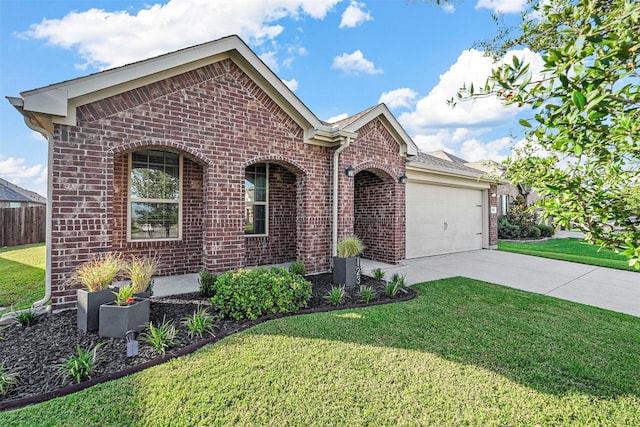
{"x":272,"y":197}
{"x":376,"y":214}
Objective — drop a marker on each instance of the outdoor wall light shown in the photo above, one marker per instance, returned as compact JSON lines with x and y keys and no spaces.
{"x":349,"y":171}
{"x":402,"y":179}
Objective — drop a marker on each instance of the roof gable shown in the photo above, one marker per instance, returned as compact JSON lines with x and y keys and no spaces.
{"x":380,"y":111}
{"x":12,"y":193}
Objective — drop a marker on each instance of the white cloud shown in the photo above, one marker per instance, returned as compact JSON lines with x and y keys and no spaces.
{"x":29,"y":177}
{"x":506,"y":6}
{"x":291,"y":84}
{"x":465,"y":143}
{"x":472,"y":66}
{"x":269,"y":58}
{"x":337,"y":118}
{"x":105,"y":39}
{"x":448,"y":8}
{"x":402,"y":97}
{"x":474,"y":150}
{"x":354,"y":15}
{"x":354,"y":63}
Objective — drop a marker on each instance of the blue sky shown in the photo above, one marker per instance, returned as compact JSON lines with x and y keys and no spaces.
{"x":339,"y":56}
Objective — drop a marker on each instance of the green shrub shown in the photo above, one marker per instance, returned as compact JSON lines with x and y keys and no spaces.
{"x":337,"y":295}
{"x":506,"y":230}
{"x":298,"y":268}
{"x":546,"y":230}
{"x":26,"y":318}
{"x":207,"y":283}
{"x":249,"y":294}
{"x":391,"y":289}
{"x":349,"y":247}
{"x":162,"y":337}
{"x":81,"y":365}
{"x":366,"y":294}
{"x":199,"y":323}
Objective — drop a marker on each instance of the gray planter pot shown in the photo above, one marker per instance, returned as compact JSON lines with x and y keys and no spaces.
{"x":117,"y":320}
{"x":89,"y":307}
{"x":346,"y":271}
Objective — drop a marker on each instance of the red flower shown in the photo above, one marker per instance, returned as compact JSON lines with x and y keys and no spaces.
{"x":130,"y":300}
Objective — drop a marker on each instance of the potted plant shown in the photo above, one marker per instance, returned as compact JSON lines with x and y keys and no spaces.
{"x":140,"y":271}
{"x":96,"y":277}
{"x":346,"y":266}
{"x":126,"y":313}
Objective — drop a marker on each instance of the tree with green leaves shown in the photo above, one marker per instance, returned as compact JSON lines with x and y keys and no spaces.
{"x":581,"y":150}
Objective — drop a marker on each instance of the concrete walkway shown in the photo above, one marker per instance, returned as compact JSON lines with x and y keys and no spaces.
{"x":607,"y":288}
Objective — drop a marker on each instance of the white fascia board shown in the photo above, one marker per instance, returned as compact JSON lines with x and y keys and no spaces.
{"x":438,"y":178}
{"x":407,"y":146}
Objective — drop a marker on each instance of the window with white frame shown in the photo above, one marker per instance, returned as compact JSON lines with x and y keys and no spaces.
{"x":155,"y":195}
{"x":256,"y":196}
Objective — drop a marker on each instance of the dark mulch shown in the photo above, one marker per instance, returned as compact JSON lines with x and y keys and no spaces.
{"x":34,"y":351}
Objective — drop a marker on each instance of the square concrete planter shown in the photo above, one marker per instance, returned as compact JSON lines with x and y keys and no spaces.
{"x":346,"y":271}
{"x":117,"y":320}
{"x":89,"y":307}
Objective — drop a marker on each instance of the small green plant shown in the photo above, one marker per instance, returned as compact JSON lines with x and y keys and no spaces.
{"x":27,"y":318}
{"x":378,"y":274}
{"x":207,"y":282}
{"x":162,"y":337}
{"x":98,"y":273}
{"x":366,"y":294}
{"x":124,"y":295}
{"x":336,"y":296}
{"x":140,"y":271}
{"x":7,"y":379}
{"x":80,"y":366}
{"x":199,"y":323}
{"x":395,"y":277}
{"x":349,"y":247}
{"x":391,"y":289}
{"x":298,"y":268}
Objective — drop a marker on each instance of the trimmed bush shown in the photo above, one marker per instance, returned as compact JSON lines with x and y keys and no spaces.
{"x":249,"y":294}
{"x":546,"y":230}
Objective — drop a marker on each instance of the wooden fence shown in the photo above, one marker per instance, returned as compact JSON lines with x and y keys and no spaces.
{"x":21,"y":226}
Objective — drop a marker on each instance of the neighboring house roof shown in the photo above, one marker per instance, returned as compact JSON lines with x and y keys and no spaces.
{"x":12,"y":193}
{"x":57,"y":103}
{"x":437,"y":164}
{"x":447,"y":156}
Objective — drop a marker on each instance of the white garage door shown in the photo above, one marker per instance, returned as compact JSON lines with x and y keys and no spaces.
{"x":442,"y":219}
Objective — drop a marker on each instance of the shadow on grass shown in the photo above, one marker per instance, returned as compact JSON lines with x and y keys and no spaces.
{"x":550,"y":345}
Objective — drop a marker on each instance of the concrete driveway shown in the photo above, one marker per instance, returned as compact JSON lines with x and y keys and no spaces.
{"x":607,"y":288}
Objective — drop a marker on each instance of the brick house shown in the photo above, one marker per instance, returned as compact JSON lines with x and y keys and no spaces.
{"x":205,"y":158}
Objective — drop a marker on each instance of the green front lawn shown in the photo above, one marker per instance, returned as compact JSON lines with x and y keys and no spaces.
{"x":464,"y":352}
{"x":22,"y":271}
{"x":575,"y":250}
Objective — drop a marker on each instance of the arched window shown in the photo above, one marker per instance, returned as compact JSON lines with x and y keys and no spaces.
{"x":155,"y":196}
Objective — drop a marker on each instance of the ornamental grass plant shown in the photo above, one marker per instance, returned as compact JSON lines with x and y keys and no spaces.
{"x":349,"y":247}
{"x":98,"y":273}
{"x":140,"y":271}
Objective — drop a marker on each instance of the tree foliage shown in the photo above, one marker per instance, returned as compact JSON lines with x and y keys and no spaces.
{"x":581,"y":149}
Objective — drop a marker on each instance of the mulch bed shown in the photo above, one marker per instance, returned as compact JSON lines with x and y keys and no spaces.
{"x":34,"y":351}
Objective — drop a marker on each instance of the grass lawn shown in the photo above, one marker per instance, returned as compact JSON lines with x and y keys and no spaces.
{"x":22,"y":270}
{"x":464,"y":352}
{"x":576,"y":250}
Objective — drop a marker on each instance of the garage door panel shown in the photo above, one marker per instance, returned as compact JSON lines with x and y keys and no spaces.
{"x":442,"y":219}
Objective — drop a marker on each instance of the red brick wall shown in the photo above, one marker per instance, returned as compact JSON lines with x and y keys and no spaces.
{"x":216,"y":116}
{"x":375,"y":216}
{"x":374,"y":151}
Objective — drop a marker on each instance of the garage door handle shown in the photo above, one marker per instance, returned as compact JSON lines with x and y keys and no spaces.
{"x":478,"y":234}
{"x":446,"y":225}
